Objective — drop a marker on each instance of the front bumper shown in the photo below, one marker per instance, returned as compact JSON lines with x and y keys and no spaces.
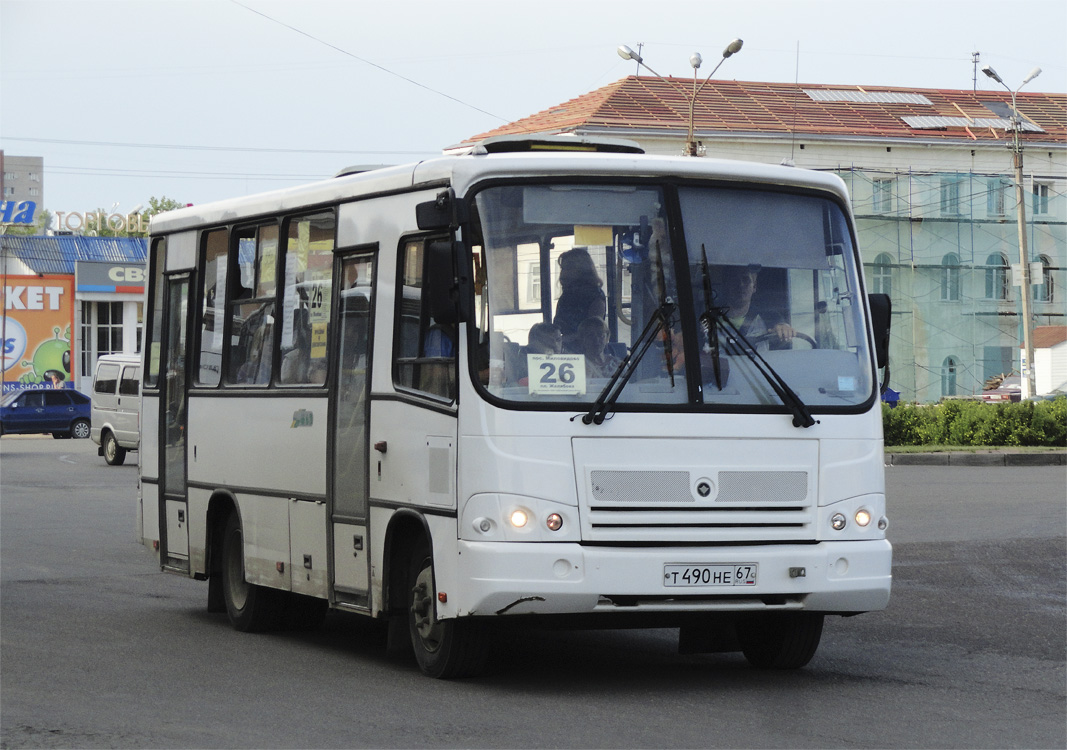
{"x":568,"y":578}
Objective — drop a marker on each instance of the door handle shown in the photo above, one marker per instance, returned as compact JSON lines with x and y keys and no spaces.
{"x":381,"y":446}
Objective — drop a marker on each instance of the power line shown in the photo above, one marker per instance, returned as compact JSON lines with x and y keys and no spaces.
{"x":186,"y":147}
{"x":368,"y":62}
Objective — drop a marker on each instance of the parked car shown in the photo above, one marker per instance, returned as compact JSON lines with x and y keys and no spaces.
{"x":63,"y":412}
{"x":116,"y":416}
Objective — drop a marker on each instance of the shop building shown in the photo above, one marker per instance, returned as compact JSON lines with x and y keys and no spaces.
{"x":84,"y":295}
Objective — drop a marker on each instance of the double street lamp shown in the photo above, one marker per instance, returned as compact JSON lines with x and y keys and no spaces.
{"x":692,"y":148}
{"x":1024,"y":260}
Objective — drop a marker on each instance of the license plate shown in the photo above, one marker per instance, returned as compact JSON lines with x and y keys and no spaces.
{"x":723,"y":574}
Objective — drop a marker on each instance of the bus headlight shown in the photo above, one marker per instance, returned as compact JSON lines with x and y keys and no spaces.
{"x":554,"y":522}
{"x":519,"y":518}
{"x":863,"y":517}
{"x":838,"y":521}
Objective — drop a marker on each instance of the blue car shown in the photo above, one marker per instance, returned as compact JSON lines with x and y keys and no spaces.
{"x":62,"y":412}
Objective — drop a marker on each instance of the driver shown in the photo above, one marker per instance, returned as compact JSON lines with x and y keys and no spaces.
{"x":739,"y":284}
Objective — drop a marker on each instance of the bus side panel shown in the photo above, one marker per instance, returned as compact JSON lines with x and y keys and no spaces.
{"x":265,"y":523}
{"x":149,"y":515}
{"x":279,"y":445}
{"x":419,"y":465}
{"x":148,"y":458}
{"x":308,"y":549}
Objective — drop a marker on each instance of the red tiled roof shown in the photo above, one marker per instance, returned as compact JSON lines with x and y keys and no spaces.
{"x":653,"y":104}
{"x":1048,"y":336}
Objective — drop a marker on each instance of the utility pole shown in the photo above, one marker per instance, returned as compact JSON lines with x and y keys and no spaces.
{"x":1029,"y":387}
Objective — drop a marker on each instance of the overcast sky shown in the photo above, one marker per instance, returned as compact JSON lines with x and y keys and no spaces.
{"x":198,"y":100}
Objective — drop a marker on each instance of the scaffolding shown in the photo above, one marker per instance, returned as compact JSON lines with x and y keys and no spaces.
{"x":945,"y":247}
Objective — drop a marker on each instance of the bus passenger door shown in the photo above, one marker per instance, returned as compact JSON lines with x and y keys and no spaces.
{"x":173,"y":513}
{"x":349,"y":482}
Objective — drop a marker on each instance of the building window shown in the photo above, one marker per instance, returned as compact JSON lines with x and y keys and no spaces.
{"x":997,"y":278}
{"x":950,"y":278}
{"x":1041,"y":193}
{"x":948,"y":376}
{"x":34,"y":177}
{"x":1044,"y":292}
{"x":950,"y":196}
{"x":883,"y":274}
{"x":883,"y":196}
{"x":86,"y":336}
{"x":108,"y":328}
{"x":997,"y":196}
{"x":534,"y":291}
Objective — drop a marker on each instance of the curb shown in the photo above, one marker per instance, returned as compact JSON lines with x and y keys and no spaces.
{"x":976,"y":459}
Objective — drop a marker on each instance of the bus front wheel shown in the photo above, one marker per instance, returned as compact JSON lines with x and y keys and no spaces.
{"x":780,"y":640}
{"x":443,"y":648}
{"x":250,"y":608}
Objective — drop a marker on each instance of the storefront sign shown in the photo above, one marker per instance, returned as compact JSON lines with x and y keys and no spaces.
{"x":36,"y":324}
{"x":112,"y":278}
{"x":17,"y":212}
{"x":73,"y":221}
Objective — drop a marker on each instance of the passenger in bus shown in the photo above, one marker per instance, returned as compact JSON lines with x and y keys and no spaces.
{"x":739,"y":286}
{"x":582,"y":294}
{"x":545,"y":338}
{"x":593,"y":341}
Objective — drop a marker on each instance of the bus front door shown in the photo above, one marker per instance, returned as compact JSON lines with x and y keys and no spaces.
{"x":173,"y":513}
{"x":349,"y":481}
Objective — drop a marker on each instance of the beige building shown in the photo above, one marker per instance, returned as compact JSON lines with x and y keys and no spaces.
{"x":932,"y":183}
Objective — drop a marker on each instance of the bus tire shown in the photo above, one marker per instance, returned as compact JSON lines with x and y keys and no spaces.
{"x":251,"y":608}
{"x":114,"y":454}
{"x":780,"y":640}
{"x":444,"y":649}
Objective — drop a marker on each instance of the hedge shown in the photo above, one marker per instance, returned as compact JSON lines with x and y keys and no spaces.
{"x":1031,"y":423}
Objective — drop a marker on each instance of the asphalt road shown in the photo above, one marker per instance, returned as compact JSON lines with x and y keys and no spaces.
{"x":100,"y":649}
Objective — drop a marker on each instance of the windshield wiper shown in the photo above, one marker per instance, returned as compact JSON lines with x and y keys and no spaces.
{"x":659,"y":321}
{"x":715,"y":319}
{"x":737,"y":343}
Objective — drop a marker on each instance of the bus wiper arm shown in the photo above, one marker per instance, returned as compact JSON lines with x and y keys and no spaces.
{"x":737,"y":341}
{"x":660,"y":321}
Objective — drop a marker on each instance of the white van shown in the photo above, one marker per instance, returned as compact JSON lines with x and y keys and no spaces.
{"x":116,"y":413}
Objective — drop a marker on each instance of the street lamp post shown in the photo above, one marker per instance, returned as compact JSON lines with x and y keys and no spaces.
{"x":1028,"y":379}
{"x":691,"y":146}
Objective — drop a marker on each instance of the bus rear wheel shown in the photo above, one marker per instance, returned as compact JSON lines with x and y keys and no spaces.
{"x":250,"y":608}
{"x":443,"y":648}
{"x":780,"y":640}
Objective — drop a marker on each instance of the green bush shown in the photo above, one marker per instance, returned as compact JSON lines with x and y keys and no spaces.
{"x":1027,"y":423}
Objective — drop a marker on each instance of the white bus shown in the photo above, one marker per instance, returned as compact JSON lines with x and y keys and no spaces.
{"x":343,"y":405}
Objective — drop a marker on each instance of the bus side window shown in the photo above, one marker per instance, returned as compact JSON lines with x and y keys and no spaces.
{"x":251,"y":305}
{"x":306,"y":299}
{"x":425,"y":349}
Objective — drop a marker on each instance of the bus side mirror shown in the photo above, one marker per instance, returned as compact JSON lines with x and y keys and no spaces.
{"x":881,"y":314}
{"x":435,"y":214}
{"x":448,"y":283}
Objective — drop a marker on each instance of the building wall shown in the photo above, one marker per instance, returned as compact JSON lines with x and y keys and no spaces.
{"x":23,"y":178}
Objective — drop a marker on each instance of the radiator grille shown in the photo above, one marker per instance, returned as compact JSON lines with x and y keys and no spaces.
{"x":762,"y":486}
{"x":665,"y":506}
{"x":641,"y":486}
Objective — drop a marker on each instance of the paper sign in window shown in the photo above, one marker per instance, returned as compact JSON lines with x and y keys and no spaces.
{"x":556,"y":374}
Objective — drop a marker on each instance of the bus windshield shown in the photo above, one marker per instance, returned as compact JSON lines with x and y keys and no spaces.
{"x":645,"y":295}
